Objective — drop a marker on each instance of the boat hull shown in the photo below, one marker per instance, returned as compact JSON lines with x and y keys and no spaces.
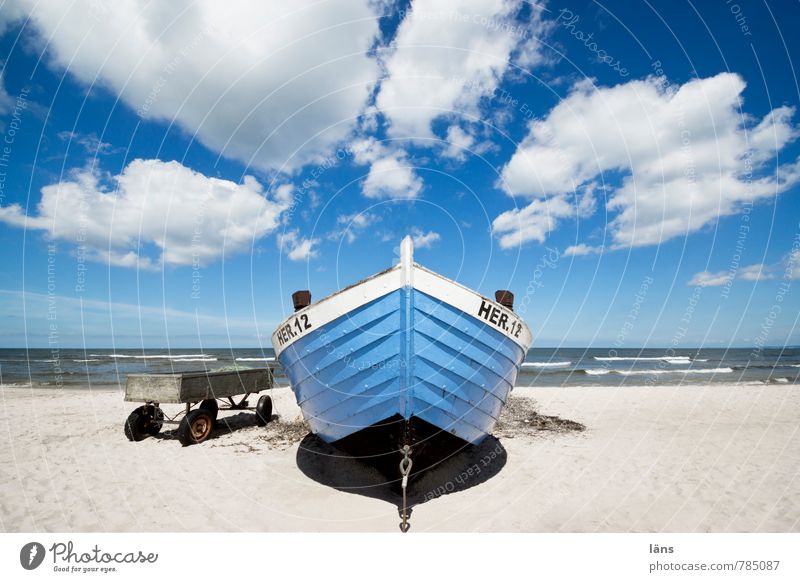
{"x":404,"y":355}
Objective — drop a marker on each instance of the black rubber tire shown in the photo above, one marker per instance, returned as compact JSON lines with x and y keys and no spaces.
{"x":195,"y":427}
{"x":212,"y":406}
{"x":143,"y":422}
{"x":263,"y":410}
{"x":155,"y":420}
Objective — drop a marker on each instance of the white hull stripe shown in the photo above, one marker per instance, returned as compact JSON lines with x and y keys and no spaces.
{"x":318,"y":315}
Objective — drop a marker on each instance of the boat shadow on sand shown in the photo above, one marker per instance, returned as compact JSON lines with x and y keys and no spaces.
{"x":445,"y":470}
{"x":379,"y":476}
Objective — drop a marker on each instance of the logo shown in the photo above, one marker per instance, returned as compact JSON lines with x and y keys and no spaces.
{"x":31,"y":555}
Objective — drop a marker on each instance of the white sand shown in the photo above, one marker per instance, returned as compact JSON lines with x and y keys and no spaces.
{"x":689,"y":458}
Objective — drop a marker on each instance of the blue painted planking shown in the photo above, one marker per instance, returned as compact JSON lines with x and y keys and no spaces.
{"x":404,"y":353}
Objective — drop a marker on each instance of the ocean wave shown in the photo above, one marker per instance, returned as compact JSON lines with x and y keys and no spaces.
{"x":260,"y":360}
{"x":668,"y":359}
{"x":89,"y":360}
{"x":603,"y":371}
{"x":545,"y":364}
{"x":193,"y":359}
{"x":150,"y":356}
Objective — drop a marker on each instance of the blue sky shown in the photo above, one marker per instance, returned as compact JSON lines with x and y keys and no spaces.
{"x":172,"y":173}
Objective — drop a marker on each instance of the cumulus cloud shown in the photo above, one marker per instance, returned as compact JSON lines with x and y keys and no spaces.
{"x":296,"y":247}
{"x":686,"y":155}
{"x":190,"y":218}
{"x":390,"y":172}
{"x":581,"y":250}
{"x":459,"y":142}
{"x":6,"y":101}
{"x":786,"y":269}
{"x":756,"y":272}
{"x":89,"y":143}
{"x":424,"y":240}
{"x":350,"y":226}
{"x":706,"y":279}
{"x":533,"y":222}
{"x":447,"y":56}
{"x":274,"y":84}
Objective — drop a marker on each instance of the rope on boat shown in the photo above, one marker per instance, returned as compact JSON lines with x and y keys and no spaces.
{"x":405,"y":471}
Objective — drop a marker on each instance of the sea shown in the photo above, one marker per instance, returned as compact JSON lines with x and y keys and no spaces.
{"x":74,"y":368}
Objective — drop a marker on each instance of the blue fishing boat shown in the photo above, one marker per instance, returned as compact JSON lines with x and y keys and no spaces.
{"x":405,"y":350}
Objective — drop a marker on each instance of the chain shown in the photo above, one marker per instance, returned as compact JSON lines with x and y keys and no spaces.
{"x":405,"y":471}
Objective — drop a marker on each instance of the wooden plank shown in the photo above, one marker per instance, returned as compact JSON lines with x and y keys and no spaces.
{"x":182,"y":387}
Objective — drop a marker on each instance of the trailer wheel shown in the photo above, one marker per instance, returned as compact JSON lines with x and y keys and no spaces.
{"x":212,"y":406}
{"x":155,"y":420}
{"x":195,"y":427}
{"x":263,"y":410}
{"x":143,"y":422}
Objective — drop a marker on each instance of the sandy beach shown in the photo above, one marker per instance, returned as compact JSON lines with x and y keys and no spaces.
{"x":668,"y":458}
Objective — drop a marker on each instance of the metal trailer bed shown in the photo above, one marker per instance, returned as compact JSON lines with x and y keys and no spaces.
{"x":205,"y":390}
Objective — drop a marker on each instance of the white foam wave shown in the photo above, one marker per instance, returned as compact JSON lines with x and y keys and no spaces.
{"x":89,"y":360}
{"x":545,"y":364}
{"x":669,"y":359}
{"x":257,"y":360}
{"x":193,"y":359}
{"x":152,"y":356}
{"x":681,"y":371}
{"x":597,"y":372}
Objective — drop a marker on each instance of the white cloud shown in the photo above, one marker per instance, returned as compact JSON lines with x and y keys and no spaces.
{"x":267,"y":83}
{"x":706,"y":279}
{"x":351,"y":225}
{"x":756,"y":272}
{"x":6,"y":101}
{"x":189,"y":217}
{"x":89,"y":143}
{"x":424,"y":240}
{"x":459,"y":142}
{"x":792,"y":265}
{"x":390,"y":173}
{"x":785,"y":269}
{"x":297,"y":248}
{"x":534,"y":222}
{"x":686,"y":155}
{"x":446,"y":56}
{"x":581,"y":250}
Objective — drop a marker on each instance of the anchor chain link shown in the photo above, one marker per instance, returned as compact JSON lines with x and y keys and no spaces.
{"x":405,"y":471}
